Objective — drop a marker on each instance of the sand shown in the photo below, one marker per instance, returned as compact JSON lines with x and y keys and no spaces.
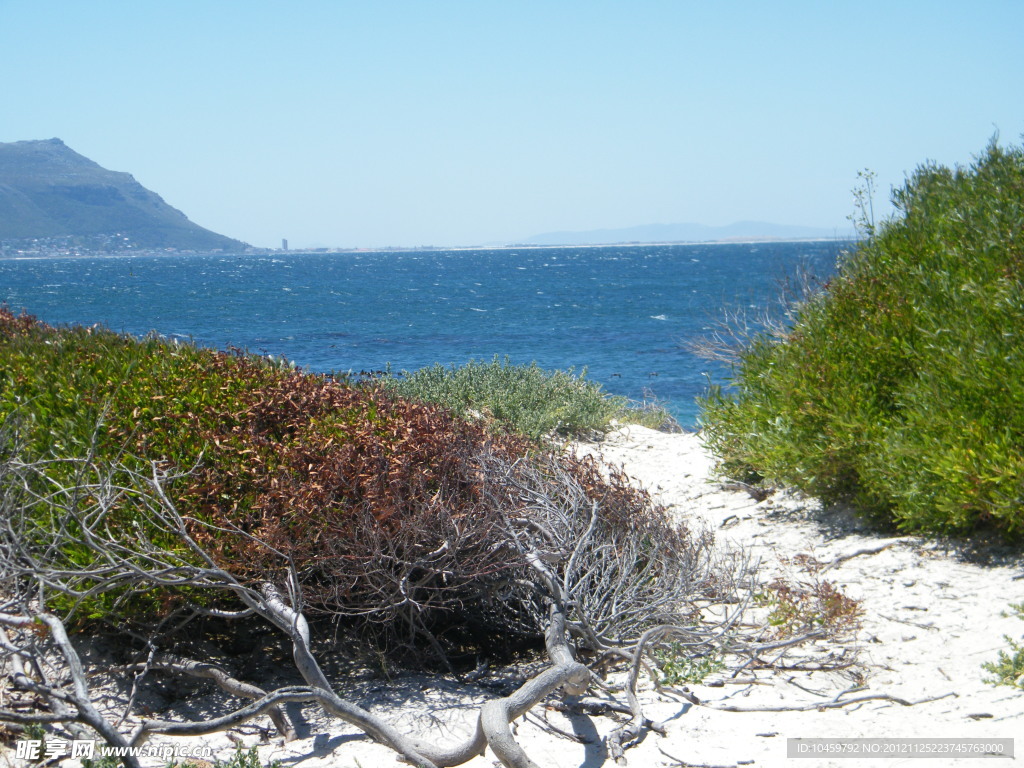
{"x":931,"y":617}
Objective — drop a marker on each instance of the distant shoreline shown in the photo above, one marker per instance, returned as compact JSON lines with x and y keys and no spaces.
{"x":536,"y":247}
{"x":417,"y":249}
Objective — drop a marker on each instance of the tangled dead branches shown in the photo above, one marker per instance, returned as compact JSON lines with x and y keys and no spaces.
{"x":568,"y":550}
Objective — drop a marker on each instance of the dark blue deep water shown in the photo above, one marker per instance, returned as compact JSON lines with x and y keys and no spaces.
{"x":622,"y":312}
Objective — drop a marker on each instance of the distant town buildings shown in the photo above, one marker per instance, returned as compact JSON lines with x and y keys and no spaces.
{"x":115,"y":244}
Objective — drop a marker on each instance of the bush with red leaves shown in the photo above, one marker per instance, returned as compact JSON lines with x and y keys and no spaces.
{"x":397,"y":517}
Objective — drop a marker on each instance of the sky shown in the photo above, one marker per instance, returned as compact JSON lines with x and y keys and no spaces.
{"x":416,"y":122}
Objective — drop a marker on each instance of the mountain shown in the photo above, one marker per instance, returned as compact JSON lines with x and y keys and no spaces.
{"x":686,"y":233}
{"x":48,"y":190}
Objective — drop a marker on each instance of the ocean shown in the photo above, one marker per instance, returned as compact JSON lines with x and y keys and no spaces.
{"x":623,"y":314}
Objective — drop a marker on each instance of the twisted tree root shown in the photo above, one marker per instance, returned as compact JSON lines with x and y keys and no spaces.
{"x":172,"y":663}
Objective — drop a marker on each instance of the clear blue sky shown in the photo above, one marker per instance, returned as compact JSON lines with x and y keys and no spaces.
{"x":417,"y":122}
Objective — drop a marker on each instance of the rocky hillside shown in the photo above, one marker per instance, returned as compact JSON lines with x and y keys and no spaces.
{"x":47,"y":190}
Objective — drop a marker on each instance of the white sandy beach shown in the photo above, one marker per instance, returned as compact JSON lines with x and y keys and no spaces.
{"x":931,"y":617}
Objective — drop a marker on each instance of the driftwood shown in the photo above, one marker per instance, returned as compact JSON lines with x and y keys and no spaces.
{"x":603,"y":598}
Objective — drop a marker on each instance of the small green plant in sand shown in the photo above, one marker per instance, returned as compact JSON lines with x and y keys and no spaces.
{"x":240,"y":759}
{"x":107,"y":761}
{"x":678,"y":668}
{"x":1008,"y":669}
{"x":34,"y":732}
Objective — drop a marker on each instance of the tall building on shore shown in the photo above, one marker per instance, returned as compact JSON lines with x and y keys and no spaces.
{"x":284,"y":244}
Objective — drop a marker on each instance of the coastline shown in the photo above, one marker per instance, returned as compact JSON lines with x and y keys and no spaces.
{"x":548,"y":246}
{"x":423,"y":249}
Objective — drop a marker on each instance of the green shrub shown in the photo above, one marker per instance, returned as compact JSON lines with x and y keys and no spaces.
{"x":525,"y":398}
{"x":900,"y":386}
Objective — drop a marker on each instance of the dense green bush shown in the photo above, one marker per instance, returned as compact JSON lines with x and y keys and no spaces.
{"x":900,"y":386}
{"x":525,"y":398}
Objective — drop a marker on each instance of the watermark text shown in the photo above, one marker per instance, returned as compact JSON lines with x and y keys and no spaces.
{"x":35,"y":750}
{"x":899,"y":748}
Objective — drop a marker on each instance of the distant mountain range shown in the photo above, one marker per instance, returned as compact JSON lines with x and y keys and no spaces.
{"x":48,"y":190}
{"x":687,"y":233}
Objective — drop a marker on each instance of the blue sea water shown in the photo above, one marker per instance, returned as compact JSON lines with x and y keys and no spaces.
{"x":623,"y":313}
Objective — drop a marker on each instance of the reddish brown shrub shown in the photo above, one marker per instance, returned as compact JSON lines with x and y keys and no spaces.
{"x":396,"y":516}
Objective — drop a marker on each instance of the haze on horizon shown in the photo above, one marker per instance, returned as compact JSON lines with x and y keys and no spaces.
{"x":458,"y":123}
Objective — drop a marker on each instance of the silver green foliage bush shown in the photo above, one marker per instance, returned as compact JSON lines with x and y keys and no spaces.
{"x":525,"y":398}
